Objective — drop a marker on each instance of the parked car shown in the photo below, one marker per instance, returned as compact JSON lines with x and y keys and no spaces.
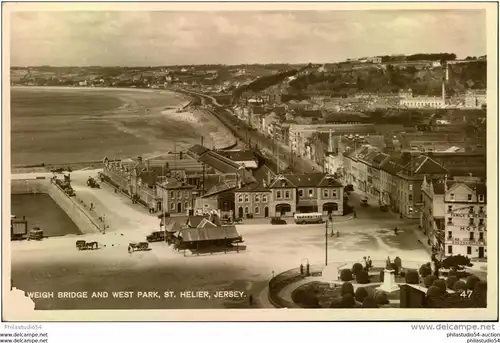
{"x":348,"y":188}
{"x":278,"y":221}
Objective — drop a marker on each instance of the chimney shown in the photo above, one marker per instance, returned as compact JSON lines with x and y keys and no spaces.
{"x":264,"y":183}
{"x":268,"y":177}
{"x":446,"y":183}
{"x":330,"y":142}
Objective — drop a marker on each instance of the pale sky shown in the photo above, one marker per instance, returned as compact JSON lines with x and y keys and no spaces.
{"x":152,"y":38}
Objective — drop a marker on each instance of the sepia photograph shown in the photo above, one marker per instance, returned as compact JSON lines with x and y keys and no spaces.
{"x":223,"y":157}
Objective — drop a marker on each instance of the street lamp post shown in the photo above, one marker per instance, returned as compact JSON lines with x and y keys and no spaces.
{"x":326,"y":237}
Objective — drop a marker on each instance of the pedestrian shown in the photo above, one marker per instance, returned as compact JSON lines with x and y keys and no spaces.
{"x":354,"y":214}
{"x":91,"y":206}
{"x":338,"y":234}
{"x":250,"y":300}
{"x":396,"y":230}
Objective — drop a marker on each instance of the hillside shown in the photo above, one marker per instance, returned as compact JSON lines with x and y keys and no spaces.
{"x":390,"y":78}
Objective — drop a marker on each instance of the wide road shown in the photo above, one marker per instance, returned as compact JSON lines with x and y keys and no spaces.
{"x":255,"y":138}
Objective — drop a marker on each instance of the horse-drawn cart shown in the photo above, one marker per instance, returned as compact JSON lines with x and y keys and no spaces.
{"x":141,"y":246}
{"x":83,"y":245}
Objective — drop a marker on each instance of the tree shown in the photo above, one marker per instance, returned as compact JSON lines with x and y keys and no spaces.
{"x":429,"y":280}
{"x":362,"y":277}
{"x":451,"y":281}
{"x":369,"y":302}
{"x":412,"y":277}
{"x":345,"y":275}
{"x":459,"y":286}
{"x":425,"y":270}
{"x":381,"y":298}
{"x":471,"y":281}
{"x":356,"y":267}
{"x":441,"y":284}
{"x":480,"y":294}
{"x":361,"y":294}
{"x":433,"y":291}
{"x":347,"y":288}
{"x":348,"y":301}
{"x":398,"y":262}
{"x":456,"y":262}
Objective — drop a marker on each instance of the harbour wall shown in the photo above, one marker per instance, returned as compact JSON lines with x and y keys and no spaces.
{"x":69,"y":205}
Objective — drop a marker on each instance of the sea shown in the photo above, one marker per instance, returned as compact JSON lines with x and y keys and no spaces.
{"x":57,"y":126}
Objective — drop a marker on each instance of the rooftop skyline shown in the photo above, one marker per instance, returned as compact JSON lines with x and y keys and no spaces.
{"x":149,"y":38}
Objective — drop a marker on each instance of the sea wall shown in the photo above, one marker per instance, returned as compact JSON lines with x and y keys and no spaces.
{"x":69,"y":205}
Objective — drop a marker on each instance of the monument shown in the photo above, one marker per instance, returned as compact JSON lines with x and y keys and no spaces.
{"x":330,"y":274}
{"x":389,"y":284}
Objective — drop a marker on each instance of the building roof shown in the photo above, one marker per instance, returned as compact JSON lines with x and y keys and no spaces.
{"x":176,"y":184}
{"x":253,"y":187}
{"x":194,"y":221}
{"x":209,"y":233}
{"x":304,"y":180}
{"x":392,"y":165}
{"x":198,"y":150}
{"x":219,"y":162}
{"x":422,"y":165}
{"x":261,"y":173}
{"x":309,"y":113}
{"x":238,"y":155}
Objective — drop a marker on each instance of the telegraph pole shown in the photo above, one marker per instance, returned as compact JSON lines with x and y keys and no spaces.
{"x":326,"y":243}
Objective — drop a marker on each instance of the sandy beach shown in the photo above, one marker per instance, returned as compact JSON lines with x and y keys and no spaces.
{"x":97,"y":122}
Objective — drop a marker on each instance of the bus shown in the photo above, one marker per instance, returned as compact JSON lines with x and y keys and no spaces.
{"x":308,"y":218}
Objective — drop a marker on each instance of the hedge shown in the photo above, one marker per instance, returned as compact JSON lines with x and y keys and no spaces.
{"x":441,"y":284}
{"x":471,"y":281}
{"x":450,"y":282}
{"x":345,"y":275}
{"x":369,"y":302}
{"x":412,"y":277}
{"x":361,"y":294}
{"x":429,"y":280}
{"x":362,"y":277}
{"x":347,"y":288}
{"x":433,"y":291}
{"x":356,"y":267}
{"x":381,"y":298}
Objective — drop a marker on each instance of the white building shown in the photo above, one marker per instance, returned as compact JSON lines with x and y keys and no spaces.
{"x":465,"y":219}
{"x":475,"y":98}
{"x":423,"y":102}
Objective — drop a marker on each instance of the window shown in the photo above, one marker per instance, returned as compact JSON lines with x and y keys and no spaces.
{"x":334,"y":193}
{"x":471,"y":221}
{"x":257,"y":210}
{"x":410,"y":198}
{"x":481,"y":221}
{"x":471,"y":236}
{"x":469,"y":197}
{"x":481,"y":236}
{"x":301,"y":193}
{"x":481,"y":209}
{"x":287,"y":194}
{"x":172,"y":206}
{"x":325,"y":193}
{"x":411,"y":187}
{"x":186,"y":194}
{"x":264,"y":198}
{"x":481,"y":197}
{"x":469,"y":250}
{"x":171,"y":194}
{"x":450,"y":208}
{"x":247,"y":198}
{"x":310,"y":191}
{"x":452,"y":196}
{"x":246,"y":209}
{"x":257,"y":198}
{"x":240,"y":198}
{"x":278,"y":194}
{"x":450,"y":235}
{"x":450,"y":249}
{"x":179,"y":194}
{"x":186,"y":205}
{"x":450,"y":221}
{"x":471,"y":209}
